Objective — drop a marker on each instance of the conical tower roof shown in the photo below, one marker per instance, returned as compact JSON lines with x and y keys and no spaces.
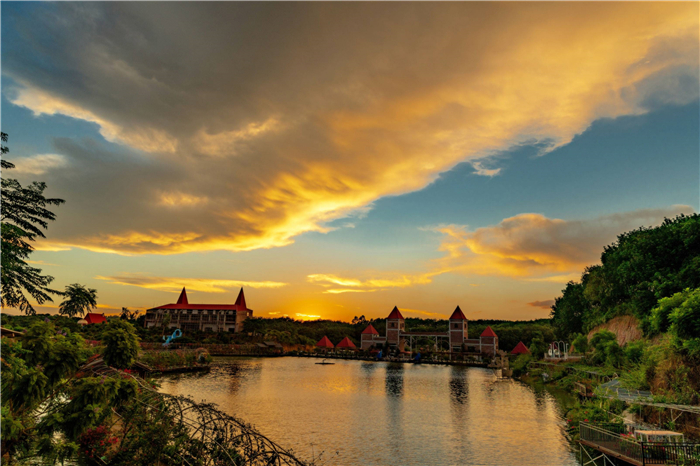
{"x":488,"y":332}
{"x":458,"y":315}
{"x":183,"y":297}
{"x":370,"y":330}
{"x":395,"y":314}
{"x":240,"y":301}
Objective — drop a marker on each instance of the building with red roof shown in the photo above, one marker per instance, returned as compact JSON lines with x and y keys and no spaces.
{"x":324,"y":343}
{"x":93,"y":318}
{"x":520,"y":348}
{"x":203,"y":317}
{"x":489,"y":342}
{"x":457,"y":335}
{"x":345,"y":343}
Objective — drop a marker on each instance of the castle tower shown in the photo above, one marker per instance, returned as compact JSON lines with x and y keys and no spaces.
{"x":395,"y":324}
{"x":370,"y":337}
{"x":489,"y":342}
{"x":458,"y":330}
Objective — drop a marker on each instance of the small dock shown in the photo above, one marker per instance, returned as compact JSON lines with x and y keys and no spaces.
{"x":607,"y":443}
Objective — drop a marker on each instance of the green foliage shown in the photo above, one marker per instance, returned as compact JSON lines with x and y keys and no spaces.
{"x":606,"y":349}
{"x":121,"y":343}
{"x":634,"y":351}
{"x":580,"y":343}
{"x":659,"y":320}
{"x":642,"y":267}
{"x":161,"y":360}
{"x":685,"y":324}
{"x":23,"y":217}
{"x":79,"y":300}
{"x":519,"y":366}
{"x":538,"y":347}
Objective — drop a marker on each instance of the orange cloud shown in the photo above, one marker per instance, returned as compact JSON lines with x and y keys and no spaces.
{"x":194,"y":284}
{"x":529,"y":247}
{"x":534,"y":247}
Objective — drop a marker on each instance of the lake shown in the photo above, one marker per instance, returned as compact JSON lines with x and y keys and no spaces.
{"x":377,"y":413}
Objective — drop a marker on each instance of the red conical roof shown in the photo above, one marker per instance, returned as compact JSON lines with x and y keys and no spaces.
{"x":520,"y":348}
{"x":183,"y":297}
{"x":458,"y":315}
{"x":488,"y":333}
{"x":240,"y":301}
{"x":346,"y":343}
{"x":324,"y":343}
{"x":370,"y":330}
{"x":395,"y":314}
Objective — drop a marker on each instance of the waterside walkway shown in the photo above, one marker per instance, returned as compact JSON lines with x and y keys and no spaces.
{"x":609,"y":441}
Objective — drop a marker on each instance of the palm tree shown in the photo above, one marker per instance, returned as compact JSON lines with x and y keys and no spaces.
{"x":79,"y":300}
{"x":128,"y":314}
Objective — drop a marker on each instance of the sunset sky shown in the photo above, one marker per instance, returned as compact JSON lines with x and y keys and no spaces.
{"x":337,"y":159}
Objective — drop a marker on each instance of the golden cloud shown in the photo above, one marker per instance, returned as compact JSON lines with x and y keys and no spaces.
{"x":534,"y":247}
{"x":290,"y":145}
{"x":193,"y":284}
{"x":528,"y":246}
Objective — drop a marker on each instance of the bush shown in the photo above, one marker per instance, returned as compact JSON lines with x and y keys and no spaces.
{"x":121,"y":344}
{"x":685,"y":324}
{"x":580,"y":343}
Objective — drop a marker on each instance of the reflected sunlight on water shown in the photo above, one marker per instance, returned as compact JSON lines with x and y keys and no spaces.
{"x":375,"y":413}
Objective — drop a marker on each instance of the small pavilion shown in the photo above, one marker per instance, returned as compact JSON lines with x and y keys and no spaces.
{"x":346,"y":344}
{"x":520,"y":348}
{"x":324,"y":343}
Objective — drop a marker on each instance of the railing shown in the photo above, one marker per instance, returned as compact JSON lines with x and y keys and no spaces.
{"x":609,"y":437}
{"x":611,"y":441}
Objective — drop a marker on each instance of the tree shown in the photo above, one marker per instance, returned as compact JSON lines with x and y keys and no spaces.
{"x":538,"y":347}
{"x":79,"y":300}
{"x":23,"y":217}
{"x":121,"y":344}
{"x":128,"y":314}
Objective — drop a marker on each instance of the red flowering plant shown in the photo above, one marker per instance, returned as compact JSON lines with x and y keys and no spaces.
{"x":96,"y":442}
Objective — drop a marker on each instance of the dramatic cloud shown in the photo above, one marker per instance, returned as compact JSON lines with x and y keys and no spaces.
{"x":244,"y":125}
{"x":193,"y":284}
{"x":532,"y":245}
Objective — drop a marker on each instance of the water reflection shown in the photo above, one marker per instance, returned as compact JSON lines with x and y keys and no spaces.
{"x":394,"y":380}
{"x":376,"y":413}
{"x":458,"y":384}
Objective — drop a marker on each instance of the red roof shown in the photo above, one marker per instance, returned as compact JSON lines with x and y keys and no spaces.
{"x":183,"y":304}
{"x":458,"y":315}
{"x":370,"y":330}
{"x":395,"y":314}
{"x":520,"y":348}
{"x":183,"y":297}
{"x":488,"y":333}
{"x":324,"y":343}
{"x":92,"y":318}
{"x":346,"y":343}
{"x":240,"y":301}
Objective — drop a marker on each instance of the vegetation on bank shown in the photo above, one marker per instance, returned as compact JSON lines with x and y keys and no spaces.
{"x":652,"y":274}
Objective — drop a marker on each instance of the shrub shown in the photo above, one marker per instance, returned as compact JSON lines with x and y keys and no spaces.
{"x":121,"y":344}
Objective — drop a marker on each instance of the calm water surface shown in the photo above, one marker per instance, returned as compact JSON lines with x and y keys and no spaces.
{"x":375,"y":413}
